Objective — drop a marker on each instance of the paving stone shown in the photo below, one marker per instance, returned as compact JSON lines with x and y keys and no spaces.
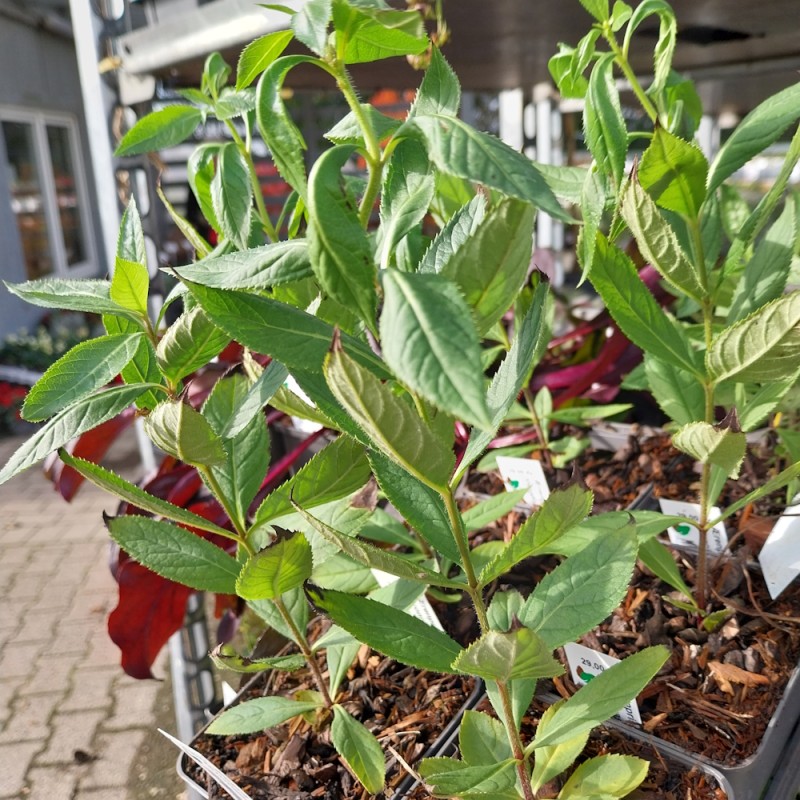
{"x":70,"y":732}
{"x":15,"y":759}
{"x":30,"y":718}
{"x":18,"y":659}
{"x":51,"y":675}
{"x":102,"y":652}
{"x":115,"y":753}
{"x":13,"y":555}
{"x":52,"y":783}
{"x":8,"y":689}
{"x":71,"y":639}
{"x":91,"y":689}
{"x":134,"y":703}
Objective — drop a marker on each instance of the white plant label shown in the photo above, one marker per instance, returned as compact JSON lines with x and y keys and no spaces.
{"x":780,"y":555}
{"x":524,"y":473}
{"x":303,"y":425}
{"x":421,"y":609}
{"x":717,"y":539}
{"x":585,"y":663}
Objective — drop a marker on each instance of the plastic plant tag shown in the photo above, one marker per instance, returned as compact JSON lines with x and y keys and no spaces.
{"x":585,"y":663}
{"x":217,"y":774}
{"x":303,"y":425}
{"x":688,"y":534}
{"x":524,"y":473}
{"x":421,"y":609}
{"x":228,"y":694}
{"x":780,"y":555}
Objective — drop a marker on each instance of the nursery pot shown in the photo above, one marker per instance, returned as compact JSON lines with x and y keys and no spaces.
{"x":443,"y":744}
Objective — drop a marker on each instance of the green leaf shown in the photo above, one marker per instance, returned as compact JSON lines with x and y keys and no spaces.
{"x":678,"y":393}
{"x":449,"y":778}
{"x":440,"y":91}
{"x":285,"y":142}
{"x":389,"y":631}
{"x":175,"y":553}
{"x":658,"y":559}
{"x":337,"y":471}
{"x":667,"y":36}
{"x":182,"y":432}
{"x":482,"y":740}
{"x":256,"y":268}
{"x":232,"y":195}
{"x":258,"y":715}
{"x":500,"y":656}
{"x":504,"y":609}
{"x":310,"y":25}
{"x":636,"y":311}
{"x":276,"y":569}
{"x":492,"y":264}
{"x":188,"y":231}
{"x":407,"y":192}
{"x":348,"y":129}
{"x":72,"y":295}
{"x":764,"y":278}
{"x":295,"y":338}
{"x":375,"y":558}
{"x":143,"y":367}
{"x":582,"y":415}
{"x":458,"y":149}
{"x":159,"y":130}
{"x":225,"y":657}
{"x":200,"y":171}
{"x":487,"y":511}
{"x":339,"y":658}
{"x":82,"y":370}
{"x":421,"y":506}
{"x":592,"y":204}
{"x":340,"y":252}
{"x":129,"y":286}
{"x":233,"y":104}
{"x":563,"y":509}
{"x":603,"y":696}
{"x":552,"y":761}
{"x":130,"y":242}
{"x":674,"y":172}
{"x":215,"y":74}
{"x":597,"y":8}
{"x":259,"y":54}
{"x":74,"y":420}
{"x":764,"y":401}
{"x":340,"y":572}
{"x":289,"y":403}
{"x":366,"y":33}
{"x":657,"y":241}
{"x":458,"y":230}
{"x":360,"y":750}
{"x":389,"y":421}
{"x":762,"y":347}
{"x":240,"y":476}
{"x":430,"y":343}
{"x":603,"y":124}
{"x":189,"y":343}
{"x":530,"y":341}
{"x":612,"y":775}
{"x":297,"y":606}
{"x":130,"y":493}
{"x":712,"y":444}
{"x":759,"y":129}
{"x":583,"y":590}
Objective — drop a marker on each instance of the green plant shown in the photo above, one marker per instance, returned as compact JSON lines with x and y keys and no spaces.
{"x":382,"y":331}
{"x":732,"y":342}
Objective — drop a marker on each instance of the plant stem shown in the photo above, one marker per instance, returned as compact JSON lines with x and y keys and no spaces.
{"x":541,"y":429}
{"x":515,"y":740}
{"x":305,"y":649}
{"x":263,"y":215}
{"x":238,"y":524}
{"x":621,"y":59}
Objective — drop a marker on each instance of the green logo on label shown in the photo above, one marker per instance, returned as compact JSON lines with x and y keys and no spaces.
{"x":683,"y":530}
{"x":585,"y":676}
{"x":514,"y":484}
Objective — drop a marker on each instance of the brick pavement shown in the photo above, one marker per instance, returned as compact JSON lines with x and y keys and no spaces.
{"x":72,"y":724}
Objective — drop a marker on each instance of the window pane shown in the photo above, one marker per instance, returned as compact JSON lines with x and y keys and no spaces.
{"x":26,"y":198}
{"x":66,"y":194}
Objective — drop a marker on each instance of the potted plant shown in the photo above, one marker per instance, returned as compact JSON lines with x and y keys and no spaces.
{"x":721,"y":360}
{"x":383,"y":336}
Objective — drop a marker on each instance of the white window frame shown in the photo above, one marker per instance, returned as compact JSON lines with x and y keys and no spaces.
{"x":39,"y":120}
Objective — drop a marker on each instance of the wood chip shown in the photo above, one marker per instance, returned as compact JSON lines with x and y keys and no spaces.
{"x":726,"y":674}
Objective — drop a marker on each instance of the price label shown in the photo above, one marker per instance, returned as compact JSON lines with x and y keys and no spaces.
{"x":585,"y":664}
{"x":421,"y":609}
{"x":717,"y":539}
{"x":780,"y":555}
{"x":524,"y":473}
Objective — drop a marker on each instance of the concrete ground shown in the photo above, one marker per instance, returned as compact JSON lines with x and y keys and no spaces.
{"x":73,"y":726}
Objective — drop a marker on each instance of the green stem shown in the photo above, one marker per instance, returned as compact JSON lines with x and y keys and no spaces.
{"x":621,"y":59}
{"x":263,"y":215}
{"x":541,"y":429}
{"x":305,"y":649}
{"x":515,"y":740}
{"x":238,"y":524}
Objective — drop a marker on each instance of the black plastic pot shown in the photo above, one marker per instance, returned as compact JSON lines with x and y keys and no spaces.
{"x":444,"y":744}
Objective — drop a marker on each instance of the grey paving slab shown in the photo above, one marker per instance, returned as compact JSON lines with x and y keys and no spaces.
{"x":72,"y":725}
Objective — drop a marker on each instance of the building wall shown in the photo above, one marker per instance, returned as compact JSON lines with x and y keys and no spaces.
{"x":40,"y":73}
